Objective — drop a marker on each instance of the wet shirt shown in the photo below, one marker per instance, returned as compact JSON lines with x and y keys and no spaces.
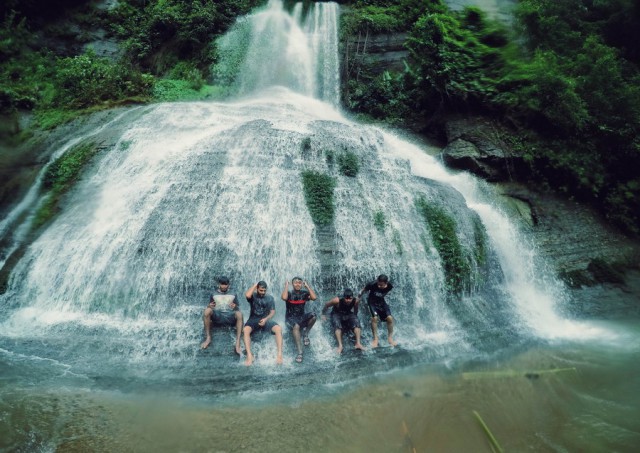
{"x":295,"y":302}
{"x":223,"y":301}
{"x":343,"y":308}
{"x":376,"y":295}
{"x":261,"y":306}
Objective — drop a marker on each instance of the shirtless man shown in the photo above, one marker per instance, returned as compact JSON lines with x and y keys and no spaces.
{"x":223,"y":311}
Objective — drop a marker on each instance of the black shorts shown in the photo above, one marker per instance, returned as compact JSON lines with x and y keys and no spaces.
{"x":345,"y":322}
{"x":302,"y":320}
{"x":382,"y":311}
{"x":223,"y":318}
{"x":253,"y":323}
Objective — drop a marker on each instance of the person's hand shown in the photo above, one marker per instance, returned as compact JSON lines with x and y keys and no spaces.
{"x":262,"y":322}
{"x":232,"y":305}
{"x":306,"y":285}
{"x":212,"y":303}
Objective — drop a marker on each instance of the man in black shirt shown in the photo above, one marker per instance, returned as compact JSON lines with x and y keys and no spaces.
{"x":296,"y":318}
{"x":344,"y":316}
{"x":378,"y":307}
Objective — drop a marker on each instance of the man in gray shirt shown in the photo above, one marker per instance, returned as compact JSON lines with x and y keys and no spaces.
{"x":263,"y":309}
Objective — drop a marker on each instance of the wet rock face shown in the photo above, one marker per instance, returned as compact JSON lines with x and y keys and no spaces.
{"x":584,"y":250}
{"x":378,"y":53}
{"x":477,"y":145}
{"x":599,"y":264}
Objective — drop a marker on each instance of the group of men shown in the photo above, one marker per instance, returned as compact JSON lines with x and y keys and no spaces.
{"x":224,"y":310}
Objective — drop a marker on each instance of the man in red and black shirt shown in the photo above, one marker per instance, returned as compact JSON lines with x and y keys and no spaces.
{"x":296,"y":319}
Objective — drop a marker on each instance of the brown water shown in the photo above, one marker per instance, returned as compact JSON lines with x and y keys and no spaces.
{"x":562,"y":398}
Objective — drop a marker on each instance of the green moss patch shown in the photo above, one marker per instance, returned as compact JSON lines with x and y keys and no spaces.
{"x":60,"y":177}
{"x":443,"y":234}
{"x":318,"y":193}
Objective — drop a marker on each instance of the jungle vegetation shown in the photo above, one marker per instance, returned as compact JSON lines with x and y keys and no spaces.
{"x":564,"y":75}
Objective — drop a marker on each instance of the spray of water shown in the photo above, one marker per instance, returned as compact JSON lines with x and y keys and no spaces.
{"x":194,"y":190}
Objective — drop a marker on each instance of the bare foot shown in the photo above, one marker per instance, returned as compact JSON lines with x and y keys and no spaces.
{"x":392,"y":343}
{"x":205,"y":344}
{"x":249,"y":360}
{"x":374,"y":344}
{"x":238,"y":350}
{"x":279,"y":360}
{"x":359,"y":346}
{"x":339,"y":350}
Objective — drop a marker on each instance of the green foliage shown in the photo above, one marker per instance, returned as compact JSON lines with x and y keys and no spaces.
{"x":379,"y":220}
{"x":348,"y":164}
{"x":330,"y":157}
{"x":168,"y":90}
{"x":480,"y":237}
{"x":23,"y":73}
{"x":318,"y":194}
{"x":370,"y":16}
{"x":86,"y":80}
{"x":60,"y":177}
{"x":380,"y":97}
{"x":453,"y":63}
{"x":159,"y":31}
{"x":49,"y":118}
{"x":443,"y":234}
{"x":570,"y":84}
{"x":542,"y":93}
{"x":187,"y":71}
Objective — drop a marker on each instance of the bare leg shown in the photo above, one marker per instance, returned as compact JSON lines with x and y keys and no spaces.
{"x":311,"y":323}
{"x":374,"y":331}
{"x":239,"y":322}
{"x":247,"y":345}
{"x":357,"y":333}
{"x":390,"y":331}
{"x":339,"y":338}
{"x":206,"y":317}
{"x":278,"y":331}
{"x":297,"y":338}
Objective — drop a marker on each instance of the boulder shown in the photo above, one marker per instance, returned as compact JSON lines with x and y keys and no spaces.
{"x":478,"y":145}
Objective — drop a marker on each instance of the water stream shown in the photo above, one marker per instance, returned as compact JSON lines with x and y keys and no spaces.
{"x":102,"y":318}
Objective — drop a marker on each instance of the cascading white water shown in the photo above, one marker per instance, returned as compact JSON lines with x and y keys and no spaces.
{"x":274,"y":48}
{"x":195,"y":190}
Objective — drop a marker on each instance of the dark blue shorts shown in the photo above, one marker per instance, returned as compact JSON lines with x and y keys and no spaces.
{"x":253,"y":323}
{"x":303,"y":320}
{"x":224,"y":318}
{"x":345,"y":322}
{"x":380,"y":310}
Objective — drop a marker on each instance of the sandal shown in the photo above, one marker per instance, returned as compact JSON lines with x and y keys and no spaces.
{"x":306,"y":340}
{"x":299,"y":358}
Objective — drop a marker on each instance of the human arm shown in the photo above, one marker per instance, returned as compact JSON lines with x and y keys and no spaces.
{"x":363,"y":290}
{"x":249,"y":293}
{"x":312,"y":293}
{"x":332,"y":303}
{"x":264,"y":320}
{"x":234,"y":305}
{"x":285,"y":292}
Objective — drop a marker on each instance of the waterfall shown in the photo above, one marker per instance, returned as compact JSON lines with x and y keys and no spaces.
{"x":194,"y":190}
{"x":272,"y":47}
